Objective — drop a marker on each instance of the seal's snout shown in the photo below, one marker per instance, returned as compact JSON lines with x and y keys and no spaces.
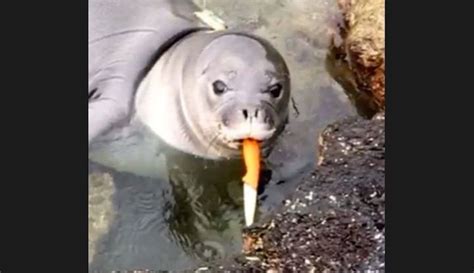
{"x":258,"y":116}
{"x":254,"y":122}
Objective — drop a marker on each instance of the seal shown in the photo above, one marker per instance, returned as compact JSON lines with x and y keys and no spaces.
{"x":200,"y":91}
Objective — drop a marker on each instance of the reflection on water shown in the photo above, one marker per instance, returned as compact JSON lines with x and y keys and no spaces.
{"x":195,"y":213}
{"x":173,"y":211}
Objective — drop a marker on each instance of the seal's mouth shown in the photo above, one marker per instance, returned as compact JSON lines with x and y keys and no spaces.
{"x":234,"y":137}
{"x":240,"y":142}
{"x":237,"y":144}
{"x":256,"y":131}
{"x":232,"y":146}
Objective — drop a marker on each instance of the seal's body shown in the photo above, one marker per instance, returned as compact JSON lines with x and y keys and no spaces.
{"x":201,"y":91}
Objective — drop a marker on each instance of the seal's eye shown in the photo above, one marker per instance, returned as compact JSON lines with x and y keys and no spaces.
{"x":275,"y":90}
{"x":219,"y":87}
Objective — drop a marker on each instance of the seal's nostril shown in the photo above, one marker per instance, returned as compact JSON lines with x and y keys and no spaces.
{"x":256,"y":113}
{"x":246,"y":115}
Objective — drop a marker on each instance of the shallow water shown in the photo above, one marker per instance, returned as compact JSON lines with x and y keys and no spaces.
{"x":155,"y":214}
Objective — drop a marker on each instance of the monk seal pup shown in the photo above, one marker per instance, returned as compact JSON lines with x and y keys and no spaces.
{"x":200,"y":91}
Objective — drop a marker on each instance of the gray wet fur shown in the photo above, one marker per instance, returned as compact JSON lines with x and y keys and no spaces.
{"x":127,"y":39}
{"x":124,"y":38}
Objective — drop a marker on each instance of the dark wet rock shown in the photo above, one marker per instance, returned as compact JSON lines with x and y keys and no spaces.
{"x":335,"y":220}
{"x":357,"y":58}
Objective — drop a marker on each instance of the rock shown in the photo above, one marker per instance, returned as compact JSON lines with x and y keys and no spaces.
{"x":335,"y":221}
{"x":357,"y":58}
{"x":101,"y":212}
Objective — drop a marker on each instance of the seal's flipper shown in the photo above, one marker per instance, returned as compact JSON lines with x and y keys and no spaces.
{"x":109,"y":108}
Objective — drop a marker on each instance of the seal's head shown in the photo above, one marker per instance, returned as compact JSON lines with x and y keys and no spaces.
{"x":243,"y":90}
{"x":231,"y":86}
